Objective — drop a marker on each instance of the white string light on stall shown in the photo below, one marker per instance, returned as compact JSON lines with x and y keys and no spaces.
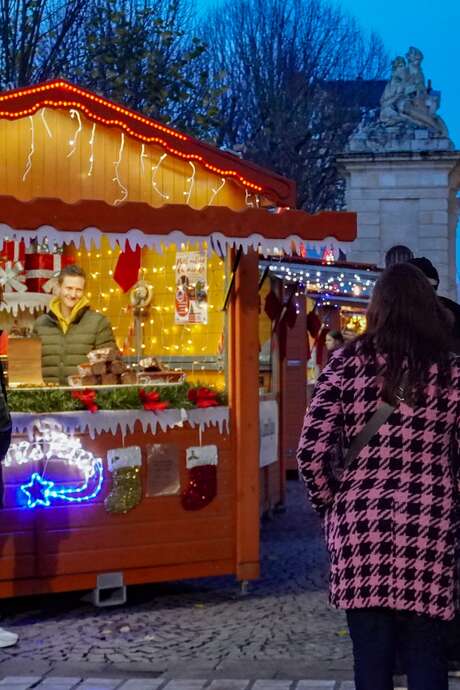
{"x":191,"y":182}
{"x":45,"y":124}
{"x":215,"y":191}
{"x":91,"y":150}
{"x":155,"y":169}
{"x":73,"y":142}
{"x":32,"y":149}
{"x":248,"y":198}
{"x":141,"y":158}
{"x":117,"y":163}
{"x":322,"y":282}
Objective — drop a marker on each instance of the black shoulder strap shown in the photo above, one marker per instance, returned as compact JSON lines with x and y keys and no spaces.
{"x":380,"y":416}
{"x":378,"y":419}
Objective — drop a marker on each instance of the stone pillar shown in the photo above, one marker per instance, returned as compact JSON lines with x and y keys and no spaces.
{"x":405,"y":198}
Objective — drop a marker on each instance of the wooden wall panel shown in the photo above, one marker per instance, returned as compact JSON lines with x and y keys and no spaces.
{"x":57,"y":172}
{"x":62,"y":546}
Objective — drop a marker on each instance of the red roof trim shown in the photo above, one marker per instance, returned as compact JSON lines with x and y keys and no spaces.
{"x":23,"y":102}
{"x":31,"y":215}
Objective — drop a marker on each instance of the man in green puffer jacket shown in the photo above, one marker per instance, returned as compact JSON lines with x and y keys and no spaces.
{"x":70,"y":329}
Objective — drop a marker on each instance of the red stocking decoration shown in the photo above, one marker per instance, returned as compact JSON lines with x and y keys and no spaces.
{"x":201,"y":488}
{"x":202,"y":478}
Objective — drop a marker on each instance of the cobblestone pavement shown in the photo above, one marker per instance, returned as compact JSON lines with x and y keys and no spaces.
{"x":274,"y":638}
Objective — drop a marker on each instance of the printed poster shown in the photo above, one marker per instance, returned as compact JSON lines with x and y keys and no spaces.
{"x":268,"y":425}
{"x":191,"y":299}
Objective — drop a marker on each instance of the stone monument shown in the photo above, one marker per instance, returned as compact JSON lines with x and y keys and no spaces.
{"x":402,"y":176}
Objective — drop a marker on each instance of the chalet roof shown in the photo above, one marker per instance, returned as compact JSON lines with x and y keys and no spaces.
{"x":61,"y":94}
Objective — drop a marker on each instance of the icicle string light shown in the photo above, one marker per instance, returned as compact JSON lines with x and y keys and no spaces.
{"x":142,"y":156}
{"x":32,"y":149}
{"x":216,"y":191}
{"x":91,"y":150}
{"x":73,"y":142}
{"x":191,"y":183}
{"x":117,"y":163}
{"x":48,"y":131}
{"x":155,"y":169}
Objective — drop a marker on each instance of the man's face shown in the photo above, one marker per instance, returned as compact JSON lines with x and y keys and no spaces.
{"x":71,"y":290}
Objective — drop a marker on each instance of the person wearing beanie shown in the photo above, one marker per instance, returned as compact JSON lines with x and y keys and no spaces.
{"x":432,"y":274}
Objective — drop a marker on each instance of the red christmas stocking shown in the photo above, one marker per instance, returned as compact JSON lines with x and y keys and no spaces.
{"x":202,"y":477}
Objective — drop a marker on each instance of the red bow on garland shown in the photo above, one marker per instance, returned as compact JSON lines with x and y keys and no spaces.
{"x":151,"y":400}
{"x":203,"y":397}
{"x":88,"y":398}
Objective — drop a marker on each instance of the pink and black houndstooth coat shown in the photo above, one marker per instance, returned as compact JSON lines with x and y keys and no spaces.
{"x":390,"y":518}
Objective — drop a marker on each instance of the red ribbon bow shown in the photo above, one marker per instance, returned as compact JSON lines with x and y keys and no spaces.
{"x":203,"y":397}
{"x":151,"y":400}
{"x":88,"y":398}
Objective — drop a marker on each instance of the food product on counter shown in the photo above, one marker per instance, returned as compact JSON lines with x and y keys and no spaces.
{"x":109,"y":379}
{"x":150,"y":364}
{"x":129,"y":378}
{"x":99,"y":368}
{"x":103,"y":354}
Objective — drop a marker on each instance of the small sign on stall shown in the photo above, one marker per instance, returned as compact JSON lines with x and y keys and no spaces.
{"x":191,"y":303}
{"x":25,"y":362}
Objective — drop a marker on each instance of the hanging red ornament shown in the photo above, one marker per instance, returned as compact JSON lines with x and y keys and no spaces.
{"x":126,"y":271}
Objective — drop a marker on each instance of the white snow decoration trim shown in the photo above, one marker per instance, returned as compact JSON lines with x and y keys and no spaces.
{"x":158,"y":242}
{"x":33,"y":301}
{"x":124,"y":420}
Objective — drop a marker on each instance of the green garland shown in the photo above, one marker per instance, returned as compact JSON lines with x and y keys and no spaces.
{"x":56,"y":400}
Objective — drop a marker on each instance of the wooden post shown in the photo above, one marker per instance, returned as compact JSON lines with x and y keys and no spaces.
{"x":244,"y":396}
{"x":293,"y":391}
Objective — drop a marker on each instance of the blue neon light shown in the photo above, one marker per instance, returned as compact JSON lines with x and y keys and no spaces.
{"x":40,"y":491}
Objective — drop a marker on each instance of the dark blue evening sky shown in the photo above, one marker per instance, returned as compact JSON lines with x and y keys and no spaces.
{"x":432,"y":26}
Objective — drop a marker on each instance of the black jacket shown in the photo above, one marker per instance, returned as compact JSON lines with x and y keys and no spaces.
{"x":454,"y":309}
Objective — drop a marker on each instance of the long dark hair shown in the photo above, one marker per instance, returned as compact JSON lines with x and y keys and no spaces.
{"x":408,"y":325}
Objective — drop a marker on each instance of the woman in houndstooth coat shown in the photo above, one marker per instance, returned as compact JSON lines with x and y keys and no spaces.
{"x":390,"y":515}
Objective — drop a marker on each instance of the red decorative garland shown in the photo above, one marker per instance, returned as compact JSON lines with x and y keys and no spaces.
{"x":151,"y":400}
{"x":88,"y":398}
{"x":203,"y":397}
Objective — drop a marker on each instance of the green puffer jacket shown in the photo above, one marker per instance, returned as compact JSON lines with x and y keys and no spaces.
{"x":62,"y":353}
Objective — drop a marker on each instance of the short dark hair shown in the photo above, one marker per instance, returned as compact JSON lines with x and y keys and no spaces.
{"x":71,"y":271}
{"x":426,"y":267}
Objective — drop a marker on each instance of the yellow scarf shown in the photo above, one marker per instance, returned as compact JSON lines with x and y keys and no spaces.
{"x":64,"y":323}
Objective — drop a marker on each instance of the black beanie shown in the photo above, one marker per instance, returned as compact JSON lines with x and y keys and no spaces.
{"x":426,"y":267}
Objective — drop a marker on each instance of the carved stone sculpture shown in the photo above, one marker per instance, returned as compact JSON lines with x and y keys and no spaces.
{"x":408,"y":118}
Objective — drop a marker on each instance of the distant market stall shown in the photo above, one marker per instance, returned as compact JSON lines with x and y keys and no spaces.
{"x":319,"y":293}
{"x":147,"y":464}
